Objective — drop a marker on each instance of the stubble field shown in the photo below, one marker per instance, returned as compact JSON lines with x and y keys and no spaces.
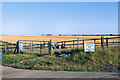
{"x":15,"y":38}
{"x":99,"y":61}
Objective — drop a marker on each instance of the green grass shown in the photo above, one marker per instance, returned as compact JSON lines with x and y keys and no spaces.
{"x":0,"y":61}
{"x":100,"y":61}
{"x":15,"y":58}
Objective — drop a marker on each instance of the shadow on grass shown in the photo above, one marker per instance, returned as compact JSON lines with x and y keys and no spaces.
{"x":36,"y":54}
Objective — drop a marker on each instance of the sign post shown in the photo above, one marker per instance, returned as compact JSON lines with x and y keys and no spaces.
{"x":89,"y":47}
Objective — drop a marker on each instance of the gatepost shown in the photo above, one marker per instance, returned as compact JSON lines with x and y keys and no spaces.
{"x":49,"y":47}
{"x":19,"y":47}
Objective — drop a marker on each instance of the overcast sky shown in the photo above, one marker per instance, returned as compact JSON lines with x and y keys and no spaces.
{"x":36,"y":18}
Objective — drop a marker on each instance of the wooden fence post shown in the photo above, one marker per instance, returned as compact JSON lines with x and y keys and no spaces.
{"x":73,"y":43}
{"x":95,"y":43}
{"x":49,"y":47}
{"x":64,"y":43}
{"x":94,"y":40}
{"x":102,"y":42}
{"x":40,"y":47}
{"x":25,"y":46}
{"x":18,"y":47}
{"x":83,"y":44}
{"x":12,"y":46}
{"x":113,"y":42}
{"x":15,"y":49}
{"x":32,"y":47}
{"x":5,"y":47}
{"x":106,"y":42}
{"x":78,"y":43}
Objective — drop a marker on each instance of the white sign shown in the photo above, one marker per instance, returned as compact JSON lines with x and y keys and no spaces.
{"x":89,"y":47}
{"x":20,"y":47}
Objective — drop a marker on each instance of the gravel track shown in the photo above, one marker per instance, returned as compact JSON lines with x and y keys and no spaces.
{"x":9,"y":72}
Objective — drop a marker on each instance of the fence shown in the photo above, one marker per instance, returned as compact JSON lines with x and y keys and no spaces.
{"x":36,"y":47}
{"x":103,"y":42}
{"x":29,"y":46}
{"x":6,"y":46}
{"x":44,"y":47}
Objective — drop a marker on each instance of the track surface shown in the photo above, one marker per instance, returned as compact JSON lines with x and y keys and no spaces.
{"x":8,"y":72}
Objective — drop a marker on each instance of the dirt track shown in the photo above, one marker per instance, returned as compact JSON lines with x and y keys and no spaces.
{"x":8,"y":72}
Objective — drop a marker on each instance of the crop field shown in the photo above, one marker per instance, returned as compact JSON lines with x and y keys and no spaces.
{"x":15,"y":38}
{"x":78,"y":60}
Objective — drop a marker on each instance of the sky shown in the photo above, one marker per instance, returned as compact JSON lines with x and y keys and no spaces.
{"x":36,"y":18}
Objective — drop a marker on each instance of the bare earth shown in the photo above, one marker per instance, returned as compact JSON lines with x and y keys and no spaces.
{"x":8,"y":72}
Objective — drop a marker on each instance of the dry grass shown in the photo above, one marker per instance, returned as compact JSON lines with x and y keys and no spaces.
{"x":14,"y":38}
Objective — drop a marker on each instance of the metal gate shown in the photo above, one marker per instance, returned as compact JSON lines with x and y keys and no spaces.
{"x":34,"y":47}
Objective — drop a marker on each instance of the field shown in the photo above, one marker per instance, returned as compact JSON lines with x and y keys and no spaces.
{"x":98,"y":61}
{"x":15,"y":38}
{"x":55,"y":39}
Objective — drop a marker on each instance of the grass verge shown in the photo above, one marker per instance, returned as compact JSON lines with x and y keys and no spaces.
{"x":106,"y":60}
{"x":8,"y":59}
